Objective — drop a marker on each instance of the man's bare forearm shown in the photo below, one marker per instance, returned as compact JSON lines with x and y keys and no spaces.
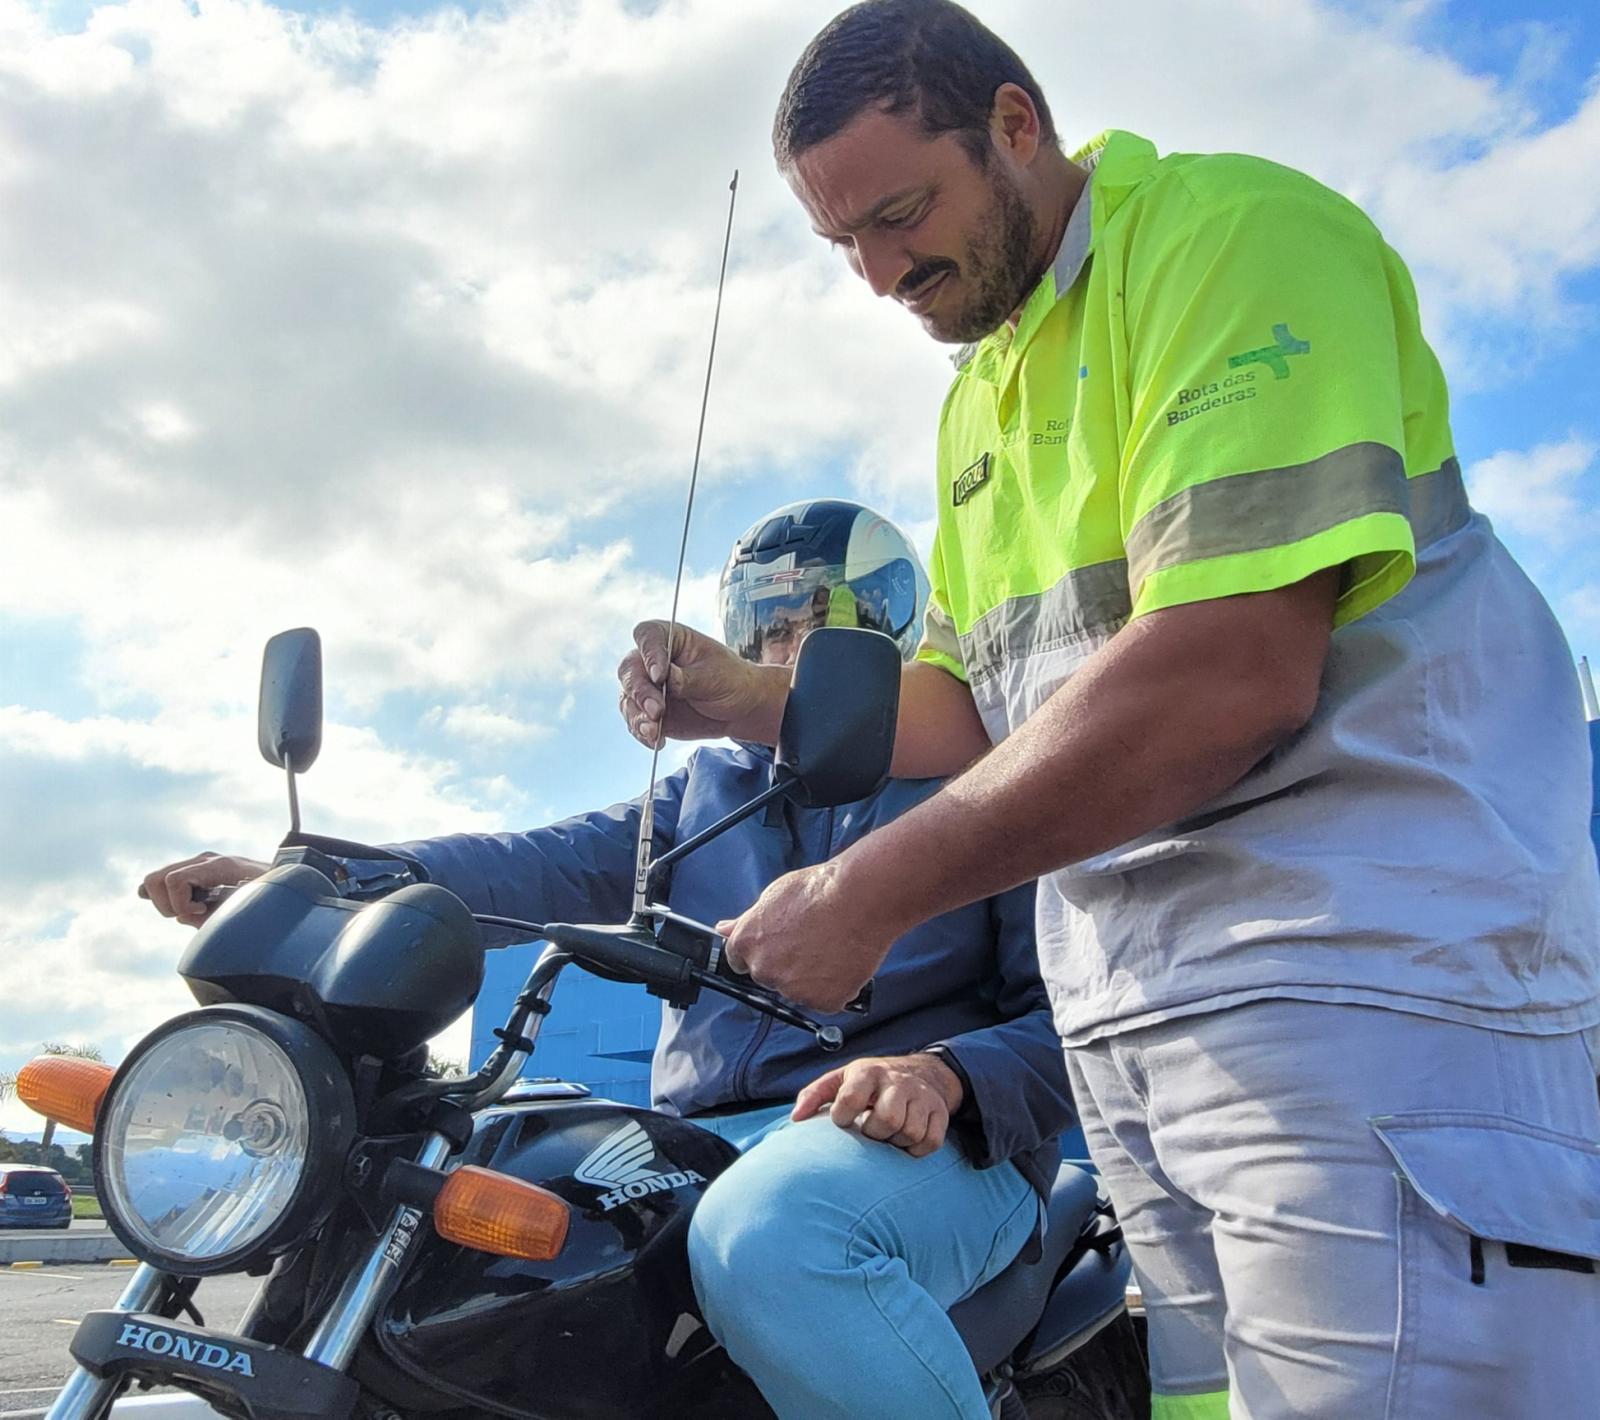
{"x":1175,"y":709}
{"x":938,"y":732}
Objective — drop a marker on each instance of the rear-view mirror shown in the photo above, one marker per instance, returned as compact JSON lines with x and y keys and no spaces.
{"x":837,"y":736}
{"x":289,"y":719}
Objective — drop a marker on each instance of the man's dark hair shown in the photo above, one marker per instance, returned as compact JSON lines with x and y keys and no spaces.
{"x":927,"y":56}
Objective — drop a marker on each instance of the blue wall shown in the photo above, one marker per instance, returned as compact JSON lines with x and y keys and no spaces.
{"x":599,"y":1033}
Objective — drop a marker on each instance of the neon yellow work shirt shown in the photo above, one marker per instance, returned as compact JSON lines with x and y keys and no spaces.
{"x":1221,"y":386}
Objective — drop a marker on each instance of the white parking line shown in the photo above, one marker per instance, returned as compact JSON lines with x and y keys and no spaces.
{"x":41,"y":1274}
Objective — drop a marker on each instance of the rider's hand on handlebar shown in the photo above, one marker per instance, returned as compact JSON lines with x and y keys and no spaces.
{"x":173,"y":889}
{"x":712,"y":691}
{"x":904,"y":1100}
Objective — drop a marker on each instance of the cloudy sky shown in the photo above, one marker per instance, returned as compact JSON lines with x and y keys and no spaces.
{"x":391,"y":319}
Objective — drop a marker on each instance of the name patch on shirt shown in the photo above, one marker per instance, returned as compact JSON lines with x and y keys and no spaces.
{"x":971,"y":479}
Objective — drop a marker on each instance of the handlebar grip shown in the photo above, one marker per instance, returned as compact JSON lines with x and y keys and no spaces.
{"x":207,"y":897}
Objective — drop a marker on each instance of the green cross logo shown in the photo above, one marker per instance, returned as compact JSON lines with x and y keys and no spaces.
{"x":1274,"y":356}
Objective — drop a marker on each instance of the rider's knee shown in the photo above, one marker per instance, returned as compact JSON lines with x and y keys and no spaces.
{"x":751,"y":1237}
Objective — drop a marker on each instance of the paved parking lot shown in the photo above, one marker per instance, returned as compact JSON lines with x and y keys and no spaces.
{"x":41,"y":1306}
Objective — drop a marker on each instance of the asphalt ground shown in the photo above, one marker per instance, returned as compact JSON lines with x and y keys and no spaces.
{"x":39,"y":1307}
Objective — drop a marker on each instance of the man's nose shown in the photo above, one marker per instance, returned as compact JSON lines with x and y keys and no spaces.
{"x":881,"y":262}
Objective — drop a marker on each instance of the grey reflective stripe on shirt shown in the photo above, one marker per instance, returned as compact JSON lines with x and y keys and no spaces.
{"x":1250,"y":512}
{"x":1239,"y":513}
{"x":1086,"y":601}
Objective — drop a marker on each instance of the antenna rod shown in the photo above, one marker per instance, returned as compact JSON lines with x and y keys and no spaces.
{"x":647,"y":818}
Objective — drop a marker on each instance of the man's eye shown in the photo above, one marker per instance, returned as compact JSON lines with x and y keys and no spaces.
{"x":901,"y":220}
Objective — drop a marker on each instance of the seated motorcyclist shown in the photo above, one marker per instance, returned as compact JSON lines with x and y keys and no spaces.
{"x":876,"y":1187}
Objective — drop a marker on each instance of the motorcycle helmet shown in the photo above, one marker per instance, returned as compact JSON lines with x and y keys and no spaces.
{"x":824,"y":562}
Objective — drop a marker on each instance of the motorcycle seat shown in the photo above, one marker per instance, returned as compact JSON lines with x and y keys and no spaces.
{"x":994,"y":1320}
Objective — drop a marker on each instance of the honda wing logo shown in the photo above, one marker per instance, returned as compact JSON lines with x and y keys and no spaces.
{"x":624,"y":1165}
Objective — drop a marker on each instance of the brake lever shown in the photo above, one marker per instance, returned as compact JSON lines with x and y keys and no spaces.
{"x":828,"y":1038}
{"x":859,"y":1005}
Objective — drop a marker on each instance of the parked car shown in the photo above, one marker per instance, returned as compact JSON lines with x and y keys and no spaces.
{"x":33,"y":1197}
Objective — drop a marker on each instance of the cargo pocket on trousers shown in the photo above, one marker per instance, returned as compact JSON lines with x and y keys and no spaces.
{"x":1499,"y":1279}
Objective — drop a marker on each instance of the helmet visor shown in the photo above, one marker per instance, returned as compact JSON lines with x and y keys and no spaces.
{"x":769,"y":615}
{"x":886,"y":597}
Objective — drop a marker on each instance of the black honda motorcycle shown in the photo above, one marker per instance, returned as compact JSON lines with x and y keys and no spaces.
{"x":482,"y":1245}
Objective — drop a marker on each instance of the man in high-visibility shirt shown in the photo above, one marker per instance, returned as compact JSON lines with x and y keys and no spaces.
{"x":1292,"y":744}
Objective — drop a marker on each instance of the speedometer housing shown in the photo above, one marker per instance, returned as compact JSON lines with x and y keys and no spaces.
{"x":222,"y":1140}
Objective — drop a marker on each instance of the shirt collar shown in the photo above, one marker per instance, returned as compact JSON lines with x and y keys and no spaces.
{"x":1117,"y":162}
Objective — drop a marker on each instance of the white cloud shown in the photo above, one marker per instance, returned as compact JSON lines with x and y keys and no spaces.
{"x":481,"y":724}
{"x":1535,"y":491}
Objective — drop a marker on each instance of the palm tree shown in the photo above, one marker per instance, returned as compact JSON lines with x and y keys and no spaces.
{"x":8,"y":1087}
{"x":79,"y":1052}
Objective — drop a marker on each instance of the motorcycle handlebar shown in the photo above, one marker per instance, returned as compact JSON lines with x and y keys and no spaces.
{"x":635,"y":951}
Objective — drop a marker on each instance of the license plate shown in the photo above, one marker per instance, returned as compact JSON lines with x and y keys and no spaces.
{"x":36,"y":1202}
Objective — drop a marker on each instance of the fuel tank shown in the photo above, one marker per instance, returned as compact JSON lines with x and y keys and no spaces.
{"x":608,"y":1329}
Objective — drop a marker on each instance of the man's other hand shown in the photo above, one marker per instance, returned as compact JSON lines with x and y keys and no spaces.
{"x":904,"y":1100}
{"x":711,"y":692}
{"x":171,"y":889}
{"x":809,"y":940}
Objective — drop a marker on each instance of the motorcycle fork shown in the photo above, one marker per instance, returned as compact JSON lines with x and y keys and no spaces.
{"x":337,"y":1335}
{"x":88,"y":1397}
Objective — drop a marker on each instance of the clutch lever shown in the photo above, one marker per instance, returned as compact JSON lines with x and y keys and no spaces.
{"x":858,"y":1005}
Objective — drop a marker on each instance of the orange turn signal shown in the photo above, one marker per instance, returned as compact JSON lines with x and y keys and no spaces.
{"x":492,"y":1212}
{"x":65,"y":1089}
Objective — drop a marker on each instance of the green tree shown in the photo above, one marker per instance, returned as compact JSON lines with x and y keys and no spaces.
{"x":8,"y":1087}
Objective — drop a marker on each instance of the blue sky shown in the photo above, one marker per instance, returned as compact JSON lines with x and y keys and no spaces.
{"x":392,"y":319}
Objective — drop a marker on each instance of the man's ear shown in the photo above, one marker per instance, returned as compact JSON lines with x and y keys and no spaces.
{"x":1014,"y":125}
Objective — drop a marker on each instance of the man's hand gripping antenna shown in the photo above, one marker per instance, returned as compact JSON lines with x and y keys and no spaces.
{"x":642,"y":856}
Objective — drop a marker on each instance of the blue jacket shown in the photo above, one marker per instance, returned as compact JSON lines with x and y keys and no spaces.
{"x":968,"y":980}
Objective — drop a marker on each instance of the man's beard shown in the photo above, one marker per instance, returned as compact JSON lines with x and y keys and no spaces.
{"x":1000,"y":269}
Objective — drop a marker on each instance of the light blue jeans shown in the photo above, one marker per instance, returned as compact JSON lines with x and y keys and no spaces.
{"x":825,"y":1262}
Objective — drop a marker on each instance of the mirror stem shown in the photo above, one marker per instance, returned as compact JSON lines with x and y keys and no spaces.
{"x":721,"y":826}
{"x":294,"y":797}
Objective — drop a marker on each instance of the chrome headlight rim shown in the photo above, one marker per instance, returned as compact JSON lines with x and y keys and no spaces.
{"x":330,"y":1108}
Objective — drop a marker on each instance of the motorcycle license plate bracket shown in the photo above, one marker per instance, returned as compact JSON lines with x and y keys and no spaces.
{"x":246,"y":1379}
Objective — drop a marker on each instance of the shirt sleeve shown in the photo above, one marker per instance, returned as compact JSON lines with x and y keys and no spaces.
{"x":1267,"y":423}
{"x":940,"y":646}
{"x":580,"y":869}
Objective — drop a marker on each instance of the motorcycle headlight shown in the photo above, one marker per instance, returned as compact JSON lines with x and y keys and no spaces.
{"x":222,"y":1139}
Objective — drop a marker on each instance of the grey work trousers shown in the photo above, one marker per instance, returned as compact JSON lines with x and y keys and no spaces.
{"x":1353,"y":1213}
